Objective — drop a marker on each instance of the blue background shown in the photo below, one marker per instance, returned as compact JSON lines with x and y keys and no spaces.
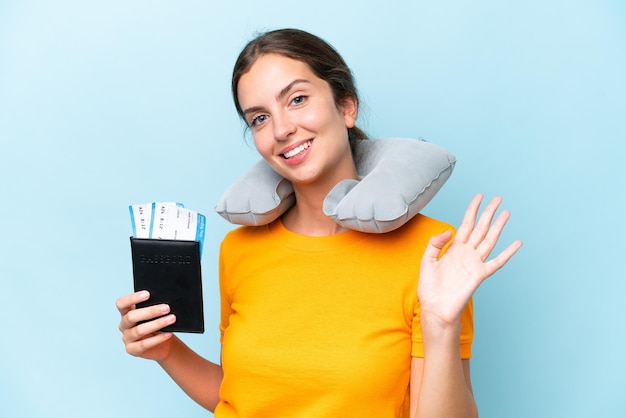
{"x":103,"y":104}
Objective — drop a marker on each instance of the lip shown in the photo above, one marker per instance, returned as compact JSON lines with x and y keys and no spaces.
{"x":298,"y":159}
{"x":293,"y":146}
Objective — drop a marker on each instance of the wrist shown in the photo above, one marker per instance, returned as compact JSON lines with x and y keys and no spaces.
{"x":170,"y":346}
{"x":434,"y":327}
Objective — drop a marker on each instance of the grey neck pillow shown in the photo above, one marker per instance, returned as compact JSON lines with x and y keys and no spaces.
{"x":398,"y":177}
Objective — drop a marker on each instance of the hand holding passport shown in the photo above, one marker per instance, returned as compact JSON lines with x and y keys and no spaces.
{"x":166,"y":247}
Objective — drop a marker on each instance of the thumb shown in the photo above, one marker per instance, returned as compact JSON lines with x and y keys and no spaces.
{"x":436,"y":244}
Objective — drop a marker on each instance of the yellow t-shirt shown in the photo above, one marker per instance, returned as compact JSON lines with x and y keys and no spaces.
{"x":322,"y":326}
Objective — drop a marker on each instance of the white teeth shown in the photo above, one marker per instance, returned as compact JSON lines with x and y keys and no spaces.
{"x":297,"y":150}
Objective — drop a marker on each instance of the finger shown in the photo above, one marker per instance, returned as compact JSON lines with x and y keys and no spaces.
{"x":147,"y":329}
{"x":490,"y":241}
{"x":435,"y":245}
{"x":128,"y":302}
{"x":138,"y":347}
{"x":484,"y":222}
{"x":498,"y":262}
{"x":467,"y":224}
{"x":148,"y":313}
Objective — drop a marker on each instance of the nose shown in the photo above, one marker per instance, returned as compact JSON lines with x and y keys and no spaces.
{"x":283,"y":125}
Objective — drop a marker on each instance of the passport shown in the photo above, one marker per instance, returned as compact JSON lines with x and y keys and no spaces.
{"x":166,"y":248}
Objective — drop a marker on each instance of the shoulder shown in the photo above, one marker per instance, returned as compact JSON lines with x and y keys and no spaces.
{"x":243,"y":232}
{"x":424,"y":226}
{"x":243,"y":236}
{"x":405,"y":243}
{"x":411,"y":239}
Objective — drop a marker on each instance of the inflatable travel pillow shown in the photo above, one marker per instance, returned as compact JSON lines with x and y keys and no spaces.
{"x":399,"y":176}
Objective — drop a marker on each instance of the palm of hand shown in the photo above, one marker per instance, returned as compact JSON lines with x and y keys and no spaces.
{"x":448,"y":282}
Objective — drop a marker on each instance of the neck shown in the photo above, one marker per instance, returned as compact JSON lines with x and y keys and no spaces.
{"x":307,"y":216}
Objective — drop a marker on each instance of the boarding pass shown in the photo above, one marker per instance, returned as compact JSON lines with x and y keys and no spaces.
{"x":167,"y":220}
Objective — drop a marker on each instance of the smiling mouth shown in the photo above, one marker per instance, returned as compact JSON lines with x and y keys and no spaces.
{"x":297,"y":150}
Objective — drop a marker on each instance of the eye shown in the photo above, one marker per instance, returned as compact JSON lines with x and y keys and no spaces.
{"x":257,"y":120}
{"x":298,"y":100}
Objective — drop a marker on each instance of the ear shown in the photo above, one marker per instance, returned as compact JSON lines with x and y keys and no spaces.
{"x":350,"y":109}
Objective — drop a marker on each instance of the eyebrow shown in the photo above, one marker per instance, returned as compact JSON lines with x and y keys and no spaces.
{"x":289,"y":86}
{"x":279,"y":96}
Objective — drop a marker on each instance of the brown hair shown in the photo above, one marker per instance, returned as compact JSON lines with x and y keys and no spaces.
{"x":321,"y":57}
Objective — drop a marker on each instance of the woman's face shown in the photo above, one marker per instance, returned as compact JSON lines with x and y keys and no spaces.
{"x":297,"y":127}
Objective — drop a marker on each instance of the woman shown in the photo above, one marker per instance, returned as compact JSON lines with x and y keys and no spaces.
{"x":319,"y":321}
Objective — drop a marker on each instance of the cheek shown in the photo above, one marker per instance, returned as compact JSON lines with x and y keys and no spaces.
{"x":308,"y":120}
{"x":263,"y":143}
{"x":323,"y":118}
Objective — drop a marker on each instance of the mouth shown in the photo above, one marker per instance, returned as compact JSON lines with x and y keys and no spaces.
{"x":297,"y":150}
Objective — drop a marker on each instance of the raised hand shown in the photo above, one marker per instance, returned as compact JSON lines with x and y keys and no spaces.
{"x":448,"y":282}
{"x":144,"y":340}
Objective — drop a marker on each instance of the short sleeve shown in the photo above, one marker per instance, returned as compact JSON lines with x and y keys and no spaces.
{"x":225,"y":300}
{"x":467,"y":327}
{"x":465,"y":341}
